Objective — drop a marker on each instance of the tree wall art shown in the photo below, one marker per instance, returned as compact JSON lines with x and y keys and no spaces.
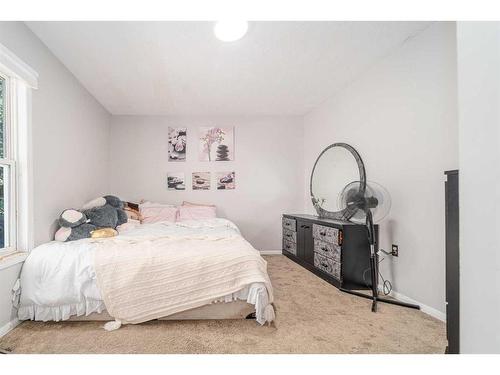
{"x":216,"y":144}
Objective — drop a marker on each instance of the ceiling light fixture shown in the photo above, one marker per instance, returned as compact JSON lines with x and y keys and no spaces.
{"x":229,"y":31}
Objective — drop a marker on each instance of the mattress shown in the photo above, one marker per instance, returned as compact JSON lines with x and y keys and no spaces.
{"x":58,"y":280}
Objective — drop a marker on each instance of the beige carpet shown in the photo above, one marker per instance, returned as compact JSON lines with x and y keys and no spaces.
{"x":312,"y":317}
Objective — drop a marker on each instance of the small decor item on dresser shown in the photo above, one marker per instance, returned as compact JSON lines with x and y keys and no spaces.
{"x":201,"y":181}
{"x":216,"y":144}
{"x":226,"y":181}
{"x":175,"y":181}
{"x":177,"y":143}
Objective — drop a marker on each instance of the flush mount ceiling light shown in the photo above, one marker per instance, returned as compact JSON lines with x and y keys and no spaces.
{"x":229,"y":31}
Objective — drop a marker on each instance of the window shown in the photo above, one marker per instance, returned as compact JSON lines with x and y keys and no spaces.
{"x":17,"y":80}
{"x":7,"y":168}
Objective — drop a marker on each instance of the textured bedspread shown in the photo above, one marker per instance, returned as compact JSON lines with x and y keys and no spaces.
{"x":147,"y":277}
{"x":58,"y":279}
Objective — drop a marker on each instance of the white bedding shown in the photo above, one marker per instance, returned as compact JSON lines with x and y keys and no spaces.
{"x":58,"y":279}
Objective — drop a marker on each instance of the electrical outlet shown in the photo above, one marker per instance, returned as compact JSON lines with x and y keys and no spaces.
{"x":395,"y":250}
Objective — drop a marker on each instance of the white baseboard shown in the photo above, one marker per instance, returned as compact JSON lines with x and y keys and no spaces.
{"x":424,"y":308}
{"x":6,"y":328}
{"x":270,"y":252}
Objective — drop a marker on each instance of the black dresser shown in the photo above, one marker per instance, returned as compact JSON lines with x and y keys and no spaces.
{"x":336,"y":251}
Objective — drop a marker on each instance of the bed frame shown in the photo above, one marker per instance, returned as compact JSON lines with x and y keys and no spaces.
{"x":214,"y":311}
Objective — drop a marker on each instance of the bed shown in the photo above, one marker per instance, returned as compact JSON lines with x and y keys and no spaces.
{"x":198,"y":269}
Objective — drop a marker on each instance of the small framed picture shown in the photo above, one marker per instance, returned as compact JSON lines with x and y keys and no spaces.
{"x":226,"y":181}
{"x":176,"y":181}
{"x":201,"y":181}
{"x":177,"y":139}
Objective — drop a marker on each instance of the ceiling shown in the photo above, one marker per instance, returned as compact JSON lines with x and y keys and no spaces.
{"x":180,"y":68}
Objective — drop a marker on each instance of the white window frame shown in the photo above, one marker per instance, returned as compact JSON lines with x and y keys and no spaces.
{"x":20,"y":80}
{"x":9,"y":161}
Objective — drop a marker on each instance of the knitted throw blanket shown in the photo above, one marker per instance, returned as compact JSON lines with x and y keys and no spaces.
{"x":145,"y":279}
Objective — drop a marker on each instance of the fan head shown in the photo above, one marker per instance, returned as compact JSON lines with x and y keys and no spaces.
{"x":375,"y":196}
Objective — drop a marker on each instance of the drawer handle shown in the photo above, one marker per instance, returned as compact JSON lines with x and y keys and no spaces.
{"x":324,"y":265}
{"x":322,"y":233}
{"x":289,"y":235}
{"x":324,"y":248}
{"x":287,"y":246}
{"x":287,"y":224}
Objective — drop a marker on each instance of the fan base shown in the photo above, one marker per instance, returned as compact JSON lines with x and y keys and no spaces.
{"x":379,"y":299}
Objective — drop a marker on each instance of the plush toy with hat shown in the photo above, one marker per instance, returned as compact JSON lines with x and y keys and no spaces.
{"x":98,"y":218}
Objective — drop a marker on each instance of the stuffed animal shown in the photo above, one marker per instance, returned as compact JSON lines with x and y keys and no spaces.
{"x":100,"y":213}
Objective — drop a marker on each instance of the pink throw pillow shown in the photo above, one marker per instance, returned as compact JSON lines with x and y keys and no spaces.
{"x":156,"y":212}
{"x":186,"y":203}
{"x":196,"y":212}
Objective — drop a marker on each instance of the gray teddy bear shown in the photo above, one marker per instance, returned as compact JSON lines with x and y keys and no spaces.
{"x":103,"y":212}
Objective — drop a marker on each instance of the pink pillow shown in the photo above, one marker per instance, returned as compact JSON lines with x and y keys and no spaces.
{"x":156,"y":212}
{"x":196,"y":212}
{"x":186,"y":203}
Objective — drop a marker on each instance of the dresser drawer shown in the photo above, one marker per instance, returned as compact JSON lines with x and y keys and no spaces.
{"x":327,"y":249}
{"x":327,"y":234}
{"x":289,"y":235}
{"x":290,"y":246}
{"x":327,"y":265}
{"x":290,"y":224}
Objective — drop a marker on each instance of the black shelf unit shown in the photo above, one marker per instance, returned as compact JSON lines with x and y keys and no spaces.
{"x":452,"y":263}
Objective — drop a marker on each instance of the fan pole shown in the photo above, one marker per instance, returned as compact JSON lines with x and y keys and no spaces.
{"x":374,"y":271}
{"x":373,"y":258}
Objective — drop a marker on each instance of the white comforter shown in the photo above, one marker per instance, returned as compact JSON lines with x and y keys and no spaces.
{"x":58,"y":279}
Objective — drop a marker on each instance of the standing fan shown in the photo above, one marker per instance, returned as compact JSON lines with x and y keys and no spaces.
{"x":366,"y":204}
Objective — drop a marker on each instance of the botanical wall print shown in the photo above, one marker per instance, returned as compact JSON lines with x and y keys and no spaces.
{"x":176,"y":181}
{"x":201,"y":181}
{"x":225,"y":180}
{"x":177,"y":138}
{"x":216,"y":144}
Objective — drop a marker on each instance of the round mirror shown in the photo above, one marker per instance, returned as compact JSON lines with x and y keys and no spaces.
{"x":336,"y":167}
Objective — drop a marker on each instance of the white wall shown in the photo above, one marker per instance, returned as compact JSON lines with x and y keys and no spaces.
{"x":8,"y":316}
{"x":70,"y":135}
{"x":401,"y":117}
{"x":268,"y":166}
{"x":478,"y":56}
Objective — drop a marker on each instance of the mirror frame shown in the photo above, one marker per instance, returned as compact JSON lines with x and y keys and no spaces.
{"x":346,"y":213}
